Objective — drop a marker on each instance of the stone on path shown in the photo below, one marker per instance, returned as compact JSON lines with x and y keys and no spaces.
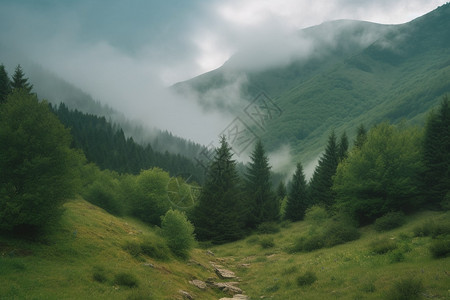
{"x":198,"y":283}
{"x":236,"y":297}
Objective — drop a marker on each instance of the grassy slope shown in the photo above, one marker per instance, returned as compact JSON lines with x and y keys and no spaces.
{"x":348,"y":271}
{"x":88,"y":237}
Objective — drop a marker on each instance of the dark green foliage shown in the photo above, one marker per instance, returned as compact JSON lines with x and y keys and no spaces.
{"x":343,"y":147}
{"x":267,"y":242}
{"x":322,"y":180}
{"x":219,"y":215}
{"x":104,"y":192}
{"x":390,"y":221}
{"x":268,"y":228}
{"x":436,"y":155}
{"x":5,"y":84}
{"x":339,"y":232}
{"x":126,"y":279}
{"x":36,"y":164}
{"x":307,"y":278}
{"x":19,"y":81}
{"x":382,"y":246}
{"x":382,"y":176}
{"x":178,"y":232}
{"x":298,"y":199}
{"x":99,"y":274}
{"x":432,"y":228}
{"x":262,"y":203}
{"x":281,"y":191}
{"x":361,"y":137}
{"x":406,"y":289}
{"x":440,"y":247}
{"x":155,"y":249}
{"x":133,"y":247}
{"x":105,"y":144}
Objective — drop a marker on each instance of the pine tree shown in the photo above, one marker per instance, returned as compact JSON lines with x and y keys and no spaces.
{"x":19,"y":81}
{"x":262,"y":202}
{"x":343,"y":147}
{"x":298,"y":200}
{"x":436,"y":154}
{"x":219,"y":215}
{"x":5,"y":85}
{"x":361,"y":136}
{"x":322,"y":180}
{"x":281,"y":190}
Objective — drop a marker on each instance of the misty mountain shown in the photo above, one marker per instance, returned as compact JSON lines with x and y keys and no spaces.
{"x":349,"y":73}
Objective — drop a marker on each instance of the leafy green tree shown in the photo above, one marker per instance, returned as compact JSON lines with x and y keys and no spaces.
{"x":262,"y":204}
{"x":19,"y":81}
{"x":321,"y":182}
{"x":298,"y":200}
{"x":178,"y":232}
{"x":36,"y":164}
{"x":343,"y":147}
{"x":361,"y":136}
{"x":150,"y":200}
{"x":382,"y":175}
{"x":5,"y":84}
{"x":219,"y":215}
{"x":436,"y":154}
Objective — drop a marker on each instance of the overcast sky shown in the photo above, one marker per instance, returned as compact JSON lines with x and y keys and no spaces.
{"x":117,"y":49}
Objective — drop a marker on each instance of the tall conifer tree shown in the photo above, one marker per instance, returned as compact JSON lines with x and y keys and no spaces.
{"x":219,"y":215}
{"x":5,"y":84}
{"x":298,"y":200}
{"x":19,"y":81}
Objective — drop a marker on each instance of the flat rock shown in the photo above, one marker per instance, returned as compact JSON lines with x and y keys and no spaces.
{"x":198,"y":283}
{"x":237,"y":297}
{"x":185,"y":295}
{"x":224,"y":273}
{"x":228,"y":287}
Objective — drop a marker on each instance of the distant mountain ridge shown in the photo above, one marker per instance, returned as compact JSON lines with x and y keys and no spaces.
{"x":361,"y":73}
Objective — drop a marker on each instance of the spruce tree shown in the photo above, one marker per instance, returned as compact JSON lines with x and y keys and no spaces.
{"x":19,"y":81}
{"x":281,"y":190}
{"x":361,"y":136}
{"x":5,"y":85}
{"x":322,"y":180}
{"x":343,"y":147}
{"x":219,"y":215}
{"x":262,"y":203}
{"x":298,"y":200}
{"x":436,"y":154}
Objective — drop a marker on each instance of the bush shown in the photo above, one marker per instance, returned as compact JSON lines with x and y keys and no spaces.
{"x":268,"y":228}
{"x":133,"y":248}
{"x":316,"y":215}
{"x":433,"y":229}
{"x":99,"y":274}
{"x":396,"y":256}
{"x":340,"y":233}
{"x":440,"y":248}
{"x":406,"y":289}
{"x":179,"y":233}
{"x":126,"y":279}
{"x":390,"y":221}
{"x":267,"y":242}
{"x":382,"y":246}
{"x":306,"y":279}
{"x":155,"y":249}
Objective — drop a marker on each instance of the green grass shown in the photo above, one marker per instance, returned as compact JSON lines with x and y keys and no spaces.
{"x":93,"y":255}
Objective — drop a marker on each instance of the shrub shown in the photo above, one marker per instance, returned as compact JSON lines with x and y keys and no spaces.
{"x":179,"y":232}
{"x":440,"y":248}
{"x":253,"y":240}
{"x":340,"y":233}
{"x":390,"y":221}
{"x":268,"y":228}
{"x":382,"y":246}
{"x":155,"y":249}
{"x":132,"y":247}
{"x":406,"y":289}
{"x":99,"y":274}
{"x":126,"y":279}
{"x":433,"y":229}
{"x":306,"y":279}
{"x":396,"y":256}
{"x":316,"y":215}
{"x":267,"y":242}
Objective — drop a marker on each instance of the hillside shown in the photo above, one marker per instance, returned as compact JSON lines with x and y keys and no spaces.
{"x":365,"y":73}
{"x":85,"y":253}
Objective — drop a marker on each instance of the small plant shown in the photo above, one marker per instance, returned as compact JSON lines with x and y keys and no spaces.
{"x":396,"y":256}
{"x":290,"y":270}
{"x":126,"y":279}
{"x":267,"y":242}
{"x":368,"y":287}
{"x":390,"y":221}
{"x":155,"y":249}
{"x":382,"y":246}
{"x":99,"y":274}
{"x":306,"y":279}
{"x":406,"y":289}
{"x":133,"y":248}
{"x":253,"y":240}
{"x":440,"y":248}
{"x":268,"y":228}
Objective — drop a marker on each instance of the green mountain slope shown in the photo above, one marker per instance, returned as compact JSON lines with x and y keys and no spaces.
{"x":369,"y":74}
